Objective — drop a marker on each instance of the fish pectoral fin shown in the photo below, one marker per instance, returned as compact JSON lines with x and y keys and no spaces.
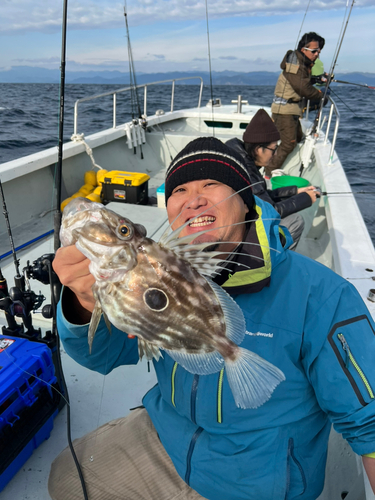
{"x":233,"y":315}
{"x":147,"y":349}
{"x":252,"y":379}
{"x":200,"y":364}
{"x":95,"y":318}
{"x":107,"y":322}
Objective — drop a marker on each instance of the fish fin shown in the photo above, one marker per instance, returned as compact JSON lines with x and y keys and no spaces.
{"x":233,"y":315}
{"x":107,"y":322}
{"x":95,"y":318}
{"x":252,"y":379}
{"x":147,"y":349}
{"x":200,"y":364}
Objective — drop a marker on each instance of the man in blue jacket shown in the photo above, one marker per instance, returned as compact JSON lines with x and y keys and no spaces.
{"x":191,"y":441}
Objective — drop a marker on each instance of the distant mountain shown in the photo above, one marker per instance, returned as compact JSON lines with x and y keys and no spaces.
{"x":28,"y":74}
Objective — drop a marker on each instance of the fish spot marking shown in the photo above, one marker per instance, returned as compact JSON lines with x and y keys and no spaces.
{"x":155,"y":299}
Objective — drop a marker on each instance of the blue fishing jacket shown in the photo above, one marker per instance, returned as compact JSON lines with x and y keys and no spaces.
{"x":310,"y":323}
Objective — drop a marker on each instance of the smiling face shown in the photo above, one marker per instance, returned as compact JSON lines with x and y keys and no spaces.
{"x":189,"y":200}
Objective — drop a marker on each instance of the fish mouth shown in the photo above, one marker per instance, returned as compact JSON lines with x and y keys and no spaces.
{"x":202,"y":221}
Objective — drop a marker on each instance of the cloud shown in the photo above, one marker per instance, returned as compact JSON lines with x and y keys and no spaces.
{"x":160,"y":57}
{"x":45,"y":17}
{"x":228,"y":58}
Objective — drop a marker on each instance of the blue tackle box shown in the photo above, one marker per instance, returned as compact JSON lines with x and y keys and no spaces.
{"x":27,"y":401}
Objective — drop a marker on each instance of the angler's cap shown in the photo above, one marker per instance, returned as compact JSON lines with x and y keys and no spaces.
{"x":261,"y":129}
{"x":209,"y":158}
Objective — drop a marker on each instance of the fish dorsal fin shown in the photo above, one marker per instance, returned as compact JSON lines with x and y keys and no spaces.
{"x":233,"y":315}
{"x":200,"y":364}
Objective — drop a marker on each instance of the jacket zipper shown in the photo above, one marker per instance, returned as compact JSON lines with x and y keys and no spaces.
{"x":350,"y":358}
{"x":291,"y":455}
{"x":197,"y":433}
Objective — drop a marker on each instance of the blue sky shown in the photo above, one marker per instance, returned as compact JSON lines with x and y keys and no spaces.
{"x":171,"y":35}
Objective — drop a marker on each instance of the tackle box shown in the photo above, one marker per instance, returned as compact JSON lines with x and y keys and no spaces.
{"x":27,"y":401}
{"x":126,"y":187}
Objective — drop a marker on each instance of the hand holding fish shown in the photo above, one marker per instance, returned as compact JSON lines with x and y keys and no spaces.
{"x":72,"y":268}
{"x":161,"y":293}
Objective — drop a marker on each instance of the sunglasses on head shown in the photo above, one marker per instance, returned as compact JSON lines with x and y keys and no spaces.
{"x":314,"y":51}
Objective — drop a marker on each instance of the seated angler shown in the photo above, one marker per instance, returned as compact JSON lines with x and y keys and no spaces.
{"x":259,"y":146}
{"x":190,"y":440}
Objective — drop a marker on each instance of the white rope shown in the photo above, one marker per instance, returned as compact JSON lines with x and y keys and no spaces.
{"x":80,"y":138}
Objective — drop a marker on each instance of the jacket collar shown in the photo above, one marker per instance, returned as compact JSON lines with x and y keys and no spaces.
{"x":250,"y":267}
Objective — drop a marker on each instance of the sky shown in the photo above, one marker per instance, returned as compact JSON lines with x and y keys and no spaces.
{"x":172,"y":35}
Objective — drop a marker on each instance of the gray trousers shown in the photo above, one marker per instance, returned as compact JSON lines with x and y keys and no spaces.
{"x":295,"y":224}
{"x":122,"y":460}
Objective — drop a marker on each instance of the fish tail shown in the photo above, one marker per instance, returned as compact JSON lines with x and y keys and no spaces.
{"x":251,"y":378}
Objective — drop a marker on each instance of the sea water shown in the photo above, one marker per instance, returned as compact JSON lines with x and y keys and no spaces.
{"x":29,"y":116}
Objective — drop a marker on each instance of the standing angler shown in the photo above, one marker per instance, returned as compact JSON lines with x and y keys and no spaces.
{"x":190,"y":440}
{"x":293,"y":85}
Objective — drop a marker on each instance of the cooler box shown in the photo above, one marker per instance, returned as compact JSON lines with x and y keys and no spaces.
{"x":126,"y":187}
{"x":27,"y":402}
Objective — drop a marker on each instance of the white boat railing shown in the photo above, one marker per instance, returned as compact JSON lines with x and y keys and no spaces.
{"x":127,"y":89}
{"x":333,"y":110}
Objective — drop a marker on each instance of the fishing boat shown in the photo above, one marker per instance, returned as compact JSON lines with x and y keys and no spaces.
{"x":335,"y":235}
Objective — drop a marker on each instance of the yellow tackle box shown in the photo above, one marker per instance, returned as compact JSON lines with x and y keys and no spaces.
{"x":126,"y":187}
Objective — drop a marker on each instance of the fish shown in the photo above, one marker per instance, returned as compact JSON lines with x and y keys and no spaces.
{"x":162,"y":293}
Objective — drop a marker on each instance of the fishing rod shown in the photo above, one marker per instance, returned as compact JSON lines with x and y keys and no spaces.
{"x":209,"y":63}
{"x":57,"y":217}
{"x":357,"y":84}
{"x":133,"y":84}
{"x":331,"y":73}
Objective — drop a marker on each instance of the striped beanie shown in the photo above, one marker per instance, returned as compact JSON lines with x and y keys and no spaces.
{"x":209,"y":158}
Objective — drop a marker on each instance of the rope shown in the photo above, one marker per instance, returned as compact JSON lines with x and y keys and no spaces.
{"x":80,"y":138}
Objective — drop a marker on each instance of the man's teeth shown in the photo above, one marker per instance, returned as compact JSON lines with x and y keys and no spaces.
{"x":202,"y":221}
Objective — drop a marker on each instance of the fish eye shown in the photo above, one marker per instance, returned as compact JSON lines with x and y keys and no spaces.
{"x":155,"y":299}
{"x":124,"y":231}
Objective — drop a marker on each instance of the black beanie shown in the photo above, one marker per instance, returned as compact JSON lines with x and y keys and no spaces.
{"x":261,"y":129}
{"x":209,"y":158}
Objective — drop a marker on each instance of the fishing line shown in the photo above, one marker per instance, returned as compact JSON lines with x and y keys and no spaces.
{"x":209,"y":63}
{"x":338,"y":97}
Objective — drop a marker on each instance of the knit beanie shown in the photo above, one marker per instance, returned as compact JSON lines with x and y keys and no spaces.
{"x":261,"y":129}
{"x":209,"y":158}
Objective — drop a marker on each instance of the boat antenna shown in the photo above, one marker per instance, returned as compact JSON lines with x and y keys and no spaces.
{"x":209,"y":63}
{"x":132,"y":78}
{"x":57,"y":217}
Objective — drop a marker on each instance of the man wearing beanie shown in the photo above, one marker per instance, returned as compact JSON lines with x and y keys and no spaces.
{"x":259,"y":146}
{"x":293,"y":85}
{"x":189,"y":440}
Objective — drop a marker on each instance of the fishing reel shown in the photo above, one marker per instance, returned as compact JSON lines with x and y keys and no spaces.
{"x":41,"y":270}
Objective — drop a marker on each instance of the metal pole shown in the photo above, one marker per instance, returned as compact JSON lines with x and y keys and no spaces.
{"x":114,"y":109}
{"x":172,"y":98}
{"x":57,"y":217}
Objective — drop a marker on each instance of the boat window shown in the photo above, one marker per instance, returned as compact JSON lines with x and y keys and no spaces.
{"x":243,"y":125}
{"x":218,"y":124}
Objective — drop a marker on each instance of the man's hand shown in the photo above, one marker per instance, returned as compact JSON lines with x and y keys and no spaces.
{"x":311,"y":191}
{"x":72,"y":268}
